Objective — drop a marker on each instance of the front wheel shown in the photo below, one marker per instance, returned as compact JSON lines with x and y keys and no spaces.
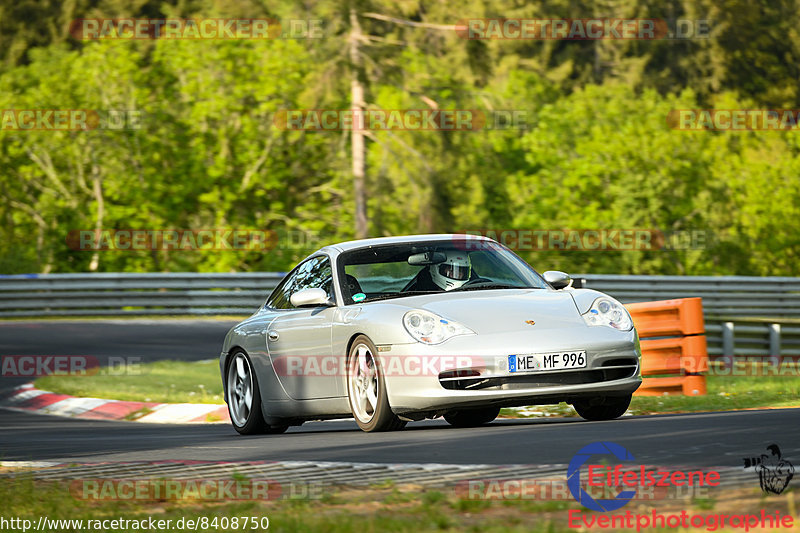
{"x":244,"y":399}
{"x":470,"y":418}
{"x":605,"y":408}
{"x":366,"y":388}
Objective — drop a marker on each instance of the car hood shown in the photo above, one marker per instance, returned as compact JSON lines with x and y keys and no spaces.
{"x":496,"y":311}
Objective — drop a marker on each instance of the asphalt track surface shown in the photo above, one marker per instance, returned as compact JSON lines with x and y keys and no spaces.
{"x":711,"y":439}
{"x":708,"y":439}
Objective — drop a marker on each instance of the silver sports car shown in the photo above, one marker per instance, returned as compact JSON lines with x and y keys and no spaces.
{"x":399,"y":329}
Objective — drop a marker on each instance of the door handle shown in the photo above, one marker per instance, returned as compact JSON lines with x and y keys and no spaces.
{"x":273,"y":335}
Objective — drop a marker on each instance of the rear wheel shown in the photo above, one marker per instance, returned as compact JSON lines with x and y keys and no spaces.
{"x":470,"y":418}
{"x":366,"y":388}
{"x":605,"y":408}
{"x":244,"y":399}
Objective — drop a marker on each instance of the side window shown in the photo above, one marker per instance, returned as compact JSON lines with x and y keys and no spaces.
{"x":314,"y":273}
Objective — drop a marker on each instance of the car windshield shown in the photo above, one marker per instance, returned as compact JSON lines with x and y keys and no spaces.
{"x":409,"y":269}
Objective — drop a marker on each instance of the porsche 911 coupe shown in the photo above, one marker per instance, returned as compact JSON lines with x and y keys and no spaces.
{"x":399,"y":329}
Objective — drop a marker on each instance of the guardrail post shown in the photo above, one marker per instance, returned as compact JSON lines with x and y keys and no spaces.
{"x":728,"y":344}
{"x":775,"y":344}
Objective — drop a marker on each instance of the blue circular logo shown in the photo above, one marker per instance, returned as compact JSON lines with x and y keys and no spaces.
{"x":574,"y":476}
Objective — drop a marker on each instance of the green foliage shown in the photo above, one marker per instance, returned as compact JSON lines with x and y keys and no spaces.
{"x":596,"y":153}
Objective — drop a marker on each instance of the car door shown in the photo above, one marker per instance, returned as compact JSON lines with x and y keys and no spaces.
{"x":299,"y":339}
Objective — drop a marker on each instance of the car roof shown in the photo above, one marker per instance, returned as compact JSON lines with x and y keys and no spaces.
{"x":402,"y":239}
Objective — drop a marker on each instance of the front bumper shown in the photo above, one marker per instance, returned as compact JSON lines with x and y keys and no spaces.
{"x":478,"y":375}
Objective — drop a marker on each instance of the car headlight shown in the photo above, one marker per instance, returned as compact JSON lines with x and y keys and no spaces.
{"x":429,"y":328}
{"x":606,"y":311}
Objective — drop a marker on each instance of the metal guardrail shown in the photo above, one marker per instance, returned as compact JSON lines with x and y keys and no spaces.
{"x":744,"y":315}
{"x":723,"y":296}
{"x":121,"y":294}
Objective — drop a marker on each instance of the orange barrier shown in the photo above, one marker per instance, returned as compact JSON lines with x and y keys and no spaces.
{"x":664,"y":318}
{"x":680,"y":360}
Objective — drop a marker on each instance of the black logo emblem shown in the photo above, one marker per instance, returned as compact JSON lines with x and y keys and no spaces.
{"x":774,"y":472}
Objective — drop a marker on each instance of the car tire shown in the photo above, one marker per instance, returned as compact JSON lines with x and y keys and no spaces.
{"x":608,"y":408}
{"x":470,"y":418}
{"x":244,"y":398}
{"x":366,"y":388}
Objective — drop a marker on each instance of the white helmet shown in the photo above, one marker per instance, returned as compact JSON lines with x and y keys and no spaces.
{"x":453,"y":272}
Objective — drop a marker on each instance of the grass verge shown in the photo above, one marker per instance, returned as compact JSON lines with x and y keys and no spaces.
{"x":344,"y":510}
{"x":159,"y":382}
{"x":406,"y":508}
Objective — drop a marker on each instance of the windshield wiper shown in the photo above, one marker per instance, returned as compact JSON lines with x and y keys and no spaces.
{"x":489,"y":285}
{"x":400,"y":295}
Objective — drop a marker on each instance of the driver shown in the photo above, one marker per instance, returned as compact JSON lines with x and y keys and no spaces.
{"x":454,"y":272}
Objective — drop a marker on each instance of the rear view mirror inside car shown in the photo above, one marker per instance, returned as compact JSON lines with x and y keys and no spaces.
{"x":426,"y":258}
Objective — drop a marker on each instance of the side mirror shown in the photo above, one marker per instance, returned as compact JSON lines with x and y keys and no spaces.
{"x":310,"y":298}
{"x":557,"y":279}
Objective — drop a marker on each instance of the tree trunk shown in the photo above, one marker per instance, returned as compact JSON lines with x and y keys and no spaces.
{"x":97,"y":189}
{"x":358,"y":153}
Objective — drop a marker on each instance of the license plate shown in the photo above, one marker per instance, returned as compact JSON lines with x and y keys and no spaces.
{"x":540,"y":362}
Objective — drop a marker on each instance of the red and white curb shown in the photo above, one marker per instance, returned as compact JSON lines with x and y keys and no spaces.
{"x":27,"y":398}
